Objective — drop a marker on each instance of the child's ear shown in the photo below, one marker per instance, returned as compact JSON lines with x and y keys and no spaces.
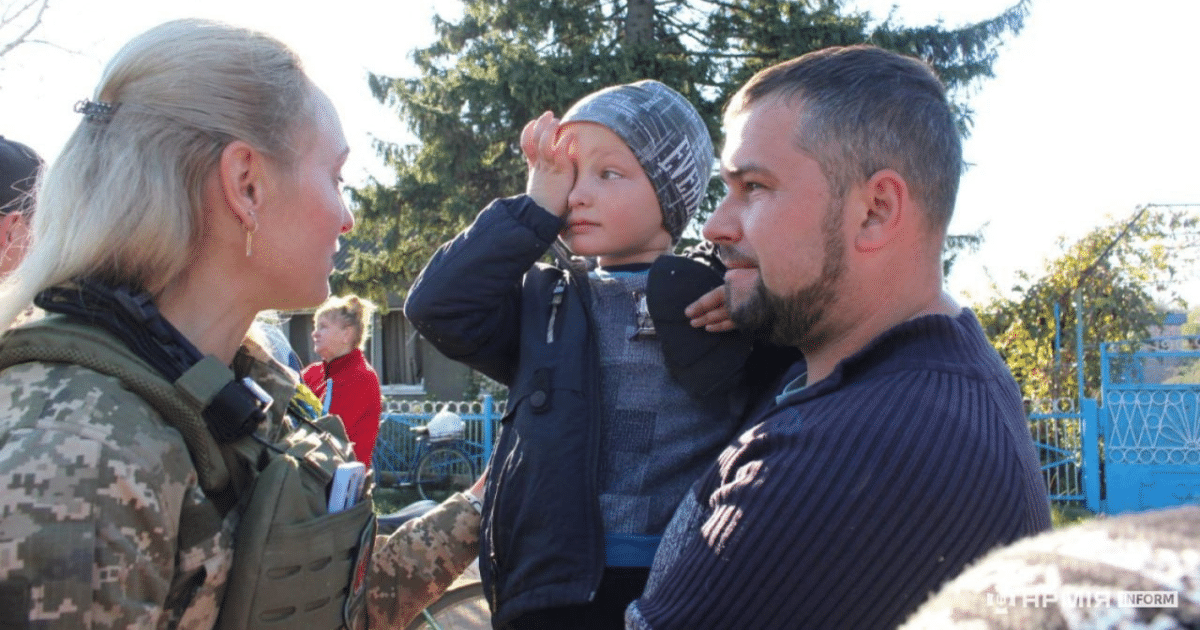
{"x":886,"y":207}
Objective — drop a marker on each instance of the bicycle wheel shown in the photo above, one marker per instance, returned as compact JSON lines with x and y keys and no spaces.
{"x":442,"y":472}
{"x":461,"y":608}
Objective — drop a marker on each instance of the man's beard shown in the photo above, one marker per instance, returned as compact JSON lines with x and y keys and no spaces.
{"x":796,"y":320}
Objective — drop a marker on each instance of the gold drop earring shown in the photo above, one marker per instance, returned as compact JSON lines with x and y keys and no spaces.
{"x":250,"y":235}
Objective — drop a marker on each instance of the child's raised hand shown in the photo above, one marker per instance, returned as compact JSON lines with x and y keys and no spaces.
{"x":551,"y":169}
{"x":710,"y":312}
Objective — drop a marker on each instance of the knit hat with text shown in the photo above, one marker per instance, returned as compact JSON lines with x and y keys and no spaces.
{"x":666,"y":135}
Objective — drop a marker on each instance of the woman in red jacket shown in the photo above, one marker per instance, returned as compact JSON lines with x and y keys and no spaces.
{"x":344,"y":381}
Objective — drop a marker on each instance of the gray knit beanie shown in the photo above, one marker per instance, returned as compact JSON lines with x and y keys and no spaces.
{"x":666,"y":135}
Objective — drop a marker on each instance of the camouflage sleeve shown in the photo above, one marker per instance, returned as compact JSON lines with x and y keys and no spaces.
{"x":415,"y":565}
{"x":86,"y":490}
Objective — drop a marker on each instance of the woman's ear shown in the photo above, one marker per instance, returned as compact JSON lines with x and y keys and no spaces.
{"x":242,"y":173}
{"x":888,"y":206}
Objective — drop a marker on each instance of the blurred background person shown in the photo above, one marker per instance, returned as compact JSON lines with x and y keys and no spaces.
{"x":19,"y":166}
{"x":346,"y":384}
{"x":266,"y":326}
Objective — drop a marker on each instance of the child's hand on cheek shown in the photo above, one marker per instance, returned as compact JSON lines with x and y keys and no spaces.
{"x":710,"y":312}
{"x":551,"y":168}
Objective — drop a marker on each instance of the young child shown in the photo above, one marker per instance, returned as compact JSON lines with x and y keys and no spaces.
{"x":600,"y":442}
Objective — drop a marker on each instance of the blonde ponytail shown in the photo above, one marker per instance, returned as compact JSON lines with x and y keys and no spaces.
{"x":123,"y":201}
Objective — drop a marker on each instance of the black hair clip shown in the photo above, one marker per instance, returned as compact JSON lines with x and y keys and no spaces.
{"x":95,"y":111}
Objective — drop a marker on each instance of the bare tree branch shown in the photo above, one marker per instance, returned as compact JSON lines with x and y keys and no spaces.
{"x":8,"y":18}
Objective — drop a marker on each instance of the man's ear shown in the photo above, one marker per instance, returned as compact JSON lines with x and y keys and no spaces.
{"x":888,"y":205}
{"x":242,"y":172}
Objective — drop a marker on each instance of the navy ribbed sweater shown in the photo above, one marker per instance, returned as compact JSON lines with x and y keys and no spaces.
{"x":846,"y":503}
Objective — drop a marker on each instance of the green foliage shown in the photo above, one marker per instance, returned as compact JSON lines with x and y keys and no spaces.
{"x":1191,"y":327}
{"x":1065,"y":515}
{"x":393,"y":499}
{"x":480,"y":386}
{"x":507,"y":61}
{"x":1187,"y":371}
{"x":1114,"y":268}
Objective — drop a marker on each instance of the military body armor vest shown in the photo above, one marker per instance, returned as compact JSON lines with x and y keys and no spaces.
{"x":295,"y":564}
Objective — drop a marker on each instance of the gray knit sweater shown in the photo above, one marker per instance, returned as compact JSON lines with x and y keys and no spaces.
{"x":656,"y":439}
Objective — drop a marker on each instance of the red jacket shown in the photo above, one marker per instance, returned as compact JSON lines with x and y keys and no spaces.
{"x":355,"y":398}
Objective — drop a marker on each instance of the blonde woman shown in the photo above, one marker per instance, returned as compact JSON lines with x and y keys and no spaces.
{"x":343,"y":378}
{"x":201,"y":186}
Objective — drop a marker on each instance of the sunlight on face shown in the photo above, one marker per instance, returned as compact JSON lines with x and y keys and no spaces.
{"x":612,"y":211}
{"x":309,"y":214}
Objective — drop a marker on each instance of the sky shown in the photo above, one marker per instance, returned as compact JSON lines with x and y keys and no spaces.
{"x":1091,"y":114}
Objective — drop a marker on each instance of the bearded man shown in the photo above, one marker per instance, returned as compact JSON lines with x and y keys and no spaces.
{"x":897,"y":450}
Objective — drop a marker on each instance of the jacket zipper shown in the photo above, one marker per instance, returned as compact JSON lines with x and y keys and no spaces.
{"x":556,"y":299}
{"x":592,"y":378}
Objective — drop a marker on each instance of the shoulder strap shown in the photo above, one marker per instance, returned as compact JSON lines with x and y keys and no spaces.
{"x":58,"y":339}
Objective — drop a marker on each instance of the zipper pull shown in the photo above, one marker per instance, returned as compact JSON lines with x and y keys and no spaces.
{"x":556,"y":299}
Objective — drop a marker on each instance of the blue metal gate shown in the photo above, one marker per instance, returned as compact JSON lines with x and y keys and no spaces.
{"x":1059,"y":429}
{"x":1150,"y":421}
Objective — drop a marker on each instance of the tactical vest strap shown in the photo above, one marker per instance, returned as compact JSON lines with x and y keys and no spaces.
{"x":204,"y":381}
{"x":295,"y":565}
{"x":57,"y":339}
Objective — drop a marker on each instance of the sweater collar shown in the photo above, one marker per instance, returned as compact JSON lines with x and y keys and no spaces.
{"x":926,"y":341}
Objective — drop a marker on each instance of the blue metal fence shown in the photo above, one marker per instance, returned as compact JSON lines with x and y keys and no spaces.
{"x":395,"y":448}
{"x":1080,"y":447}
{"x":1057,"y":429}
{"x":1062,"y":432}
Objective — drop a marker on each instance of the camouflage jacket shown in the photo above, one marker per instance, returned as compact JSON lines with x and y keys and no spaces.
{"x":102,"y":515}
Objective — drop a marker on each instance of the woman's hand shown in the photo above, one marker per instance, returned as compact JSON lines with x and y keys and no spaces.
{"x":549,"y":153}
{"x":710,"y":312}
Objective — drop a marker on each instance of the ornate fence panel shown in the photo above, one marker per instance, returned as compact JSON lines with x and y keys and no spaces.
{"x":1057,"y":427}
{"x":1151,"y":423}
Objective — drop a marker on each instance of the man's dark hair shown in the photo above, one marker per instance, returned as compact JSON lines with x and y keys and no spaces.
{"x":865,"y":109}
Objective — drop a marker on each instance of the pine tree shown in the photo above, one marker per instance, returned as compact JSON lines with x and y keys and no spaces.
{"x":507,"y":61}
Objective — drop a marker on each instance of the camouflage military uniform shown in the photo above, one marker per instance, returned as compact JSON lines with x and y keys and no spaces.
{"x":102,"y":515}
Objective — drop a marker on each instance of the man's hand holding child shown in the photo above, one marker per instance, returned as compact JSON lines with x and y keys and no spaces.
{"x":710,"y":312}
